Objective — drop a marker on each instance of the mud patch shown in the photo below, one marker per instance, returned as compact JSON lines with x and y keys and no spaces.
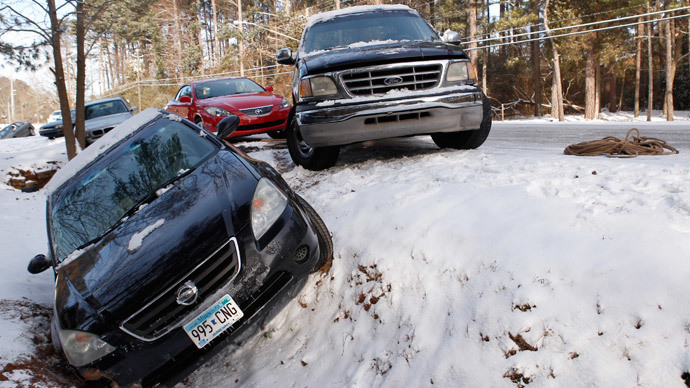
{"x":40,"y":366}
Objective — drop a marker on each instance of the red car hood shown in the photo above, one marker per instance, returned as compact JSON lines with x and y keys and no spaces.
{"x":241,"y":101}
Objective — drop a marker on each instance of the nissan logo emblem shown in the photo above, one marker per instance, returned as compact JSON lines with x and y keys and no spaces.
{"x":393,"y":80}
{"x":187,"y":294}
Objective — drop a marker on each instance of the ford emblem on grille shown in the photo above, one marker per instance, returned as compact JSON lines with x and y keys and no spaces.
{"x":393,"y":80}
{"x":187,"y":294}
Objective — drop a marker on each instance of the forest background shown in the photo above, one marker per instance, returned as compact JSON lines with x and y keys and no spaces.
{"x":532,"y":57}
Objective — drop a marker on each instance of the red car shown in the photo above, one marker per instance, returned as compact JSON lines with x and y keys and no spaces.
{"x":206,"y":102}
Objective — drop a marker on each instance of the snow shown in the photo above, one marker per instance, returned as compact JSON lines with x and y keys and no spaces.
{"x":138,"y":238}
{"x":448,"y":263}
{"x":323,"y":16}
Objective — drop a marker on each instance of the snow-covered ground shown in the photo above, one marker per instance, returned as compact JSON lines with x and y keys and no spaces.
{"x":510,"y":265}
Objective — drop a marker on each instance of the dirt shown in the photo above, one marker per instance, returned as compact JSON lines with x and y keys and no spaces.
{"x":41,"y":365}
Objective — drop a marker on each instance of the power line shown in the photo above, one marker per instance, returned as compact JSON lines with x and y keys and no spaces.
{"x":577,"y":32}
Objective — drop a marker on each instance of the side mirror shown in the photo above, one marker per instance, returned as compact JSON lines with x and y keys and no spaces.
{"x":134,"y":108}
{"x":451,"y":36}
{"x":185,"y":99}
{"x":38,"y":264}
{"x":284,"y":57}
{"x":227,"y":126}
{"x":269,"y":89}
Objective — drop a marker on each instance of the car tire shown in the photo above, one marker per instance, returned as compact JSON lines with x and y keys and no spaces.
{"x":276,"y":134}
{"x":324,"y":236}
{"x":465,"y":140}
{"x":311,"y":158}
{"x":198,"y":121}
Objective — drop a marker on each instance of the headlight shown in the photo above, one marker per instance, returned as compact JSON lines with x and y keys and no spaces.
{"x":268,"y":204}
{"x":460,"y":71}
{"x":82,"y":348}
{"x":317,"y":86}
{"x":58,"y":127}
{"x":215,"y":111}
{"x":285,"y":103}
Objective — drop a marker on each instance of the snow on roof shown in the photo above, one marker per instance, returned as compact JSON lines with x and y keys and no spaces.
{"x":86,"y":156}
{"x":319,"y":17}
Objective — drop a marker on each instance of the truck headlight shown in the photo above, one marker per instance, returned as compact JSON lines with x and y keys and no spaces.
{"x":317,"y":86}
{"x":460,"y":71}
{"x":82,"y":348}
{"x":268,"y":204}
{"x":216,"y":111}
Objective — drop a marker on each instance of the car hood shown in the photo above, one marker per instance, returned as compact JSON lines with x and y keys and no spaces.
{"x":379,"y":54}
{"x":106,"y":121}
{"x":157,"y":246}
{"x":241,"y":101}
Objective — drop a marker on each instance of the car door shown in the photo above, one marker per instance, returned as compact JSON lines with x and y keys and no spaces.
{"x":181,"y":104}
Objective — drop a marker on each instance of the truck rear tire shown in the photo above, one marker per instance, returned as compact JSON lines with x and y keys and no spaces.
{"x":465,"y":140}
{"x":311,"y":158}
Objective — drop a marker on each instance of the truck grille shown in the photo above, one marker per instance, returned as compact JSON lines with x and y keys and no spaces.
{"x":381,"y":80}
{"x":163,"y":314}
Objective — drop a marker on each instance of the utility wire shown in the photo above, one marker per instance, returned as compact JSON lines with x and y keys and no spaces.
{"x":575,"y":33}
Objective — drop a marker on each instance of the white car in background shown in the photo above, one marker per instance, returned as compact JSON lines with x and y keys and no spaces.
{"x":103,"y":115}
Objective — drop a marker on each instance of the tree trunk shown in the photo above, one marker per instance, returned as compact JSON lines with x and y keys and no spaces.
{"x":590,"y":84}
{"x":620,"y":101}
{"x":556,"y":87}
{"x":670,"y":67}
{"x":216,"y":44}
{"x":79,"y":130}
{"x":536,"y":74}
{"x":613,"y":108}
{"x":638,"y":68}
{"x":597,"y":90}
{"x":178,"y":38}
{"x":60,"y":80}
{"x":240,"y":43}
{"x":472,"y":21}
{"x":650,"y":74}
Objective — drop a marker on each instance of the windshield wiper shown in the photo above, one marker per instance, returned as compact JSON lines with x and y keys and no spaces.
{"x":137,"y":206}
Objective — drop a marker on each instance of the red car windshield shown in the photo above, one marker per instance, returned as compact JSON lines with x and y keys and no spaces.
{"x":226,"y":87}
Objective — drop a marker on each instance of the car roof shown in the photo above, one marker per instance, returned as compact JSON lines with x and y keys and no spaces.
{"x":319,"y":17}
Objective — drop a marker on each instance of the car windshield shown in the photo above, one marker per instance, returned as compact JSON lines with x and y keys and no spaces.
{"x":226,"y":87}
{"x":346,"y":30}
{"x":96,"y":200}
{"x":105,"y":108}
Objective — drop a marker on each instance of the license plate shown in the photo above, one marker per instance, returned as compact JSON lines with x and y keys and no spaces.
{"x":209,"y":324}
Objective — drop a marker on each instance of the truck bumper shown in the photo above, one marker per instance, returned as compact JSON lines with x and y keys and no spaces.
{"x":353,"y":121}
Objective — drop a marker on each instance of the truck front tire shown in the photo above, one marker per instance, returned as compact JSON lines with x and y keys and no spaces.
{"x":311,"y":158}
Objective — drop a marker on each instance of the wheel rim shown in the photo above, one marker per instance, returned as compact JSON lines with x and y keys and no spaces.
{"x":303,"y":148}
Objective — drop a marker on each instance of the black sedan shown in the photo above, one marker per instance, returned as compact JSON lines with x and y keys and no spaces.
{"x":54,"y":129}
{"x":17,"y":129}
{"x":168,"y":245}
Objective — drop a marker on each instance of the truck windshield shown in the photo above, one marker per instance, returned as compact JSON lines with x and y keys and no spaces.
{"x":368,"y":27}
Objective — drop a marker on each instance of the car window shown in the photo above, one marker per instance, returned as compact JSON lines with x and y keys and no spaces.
{"x":105,"y":109}
{"x":184,"y":91}
{"x":366,"y":27}
{"x":226,"y":87}
{"x":96,"y":200}
{"x":5,"y":131}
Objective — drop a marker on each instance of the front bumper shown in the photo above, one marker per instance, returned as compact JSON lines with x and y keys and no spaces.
{"x":270,"y":278}
{"x":274,"y":121}
{"x":352,"y":121}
